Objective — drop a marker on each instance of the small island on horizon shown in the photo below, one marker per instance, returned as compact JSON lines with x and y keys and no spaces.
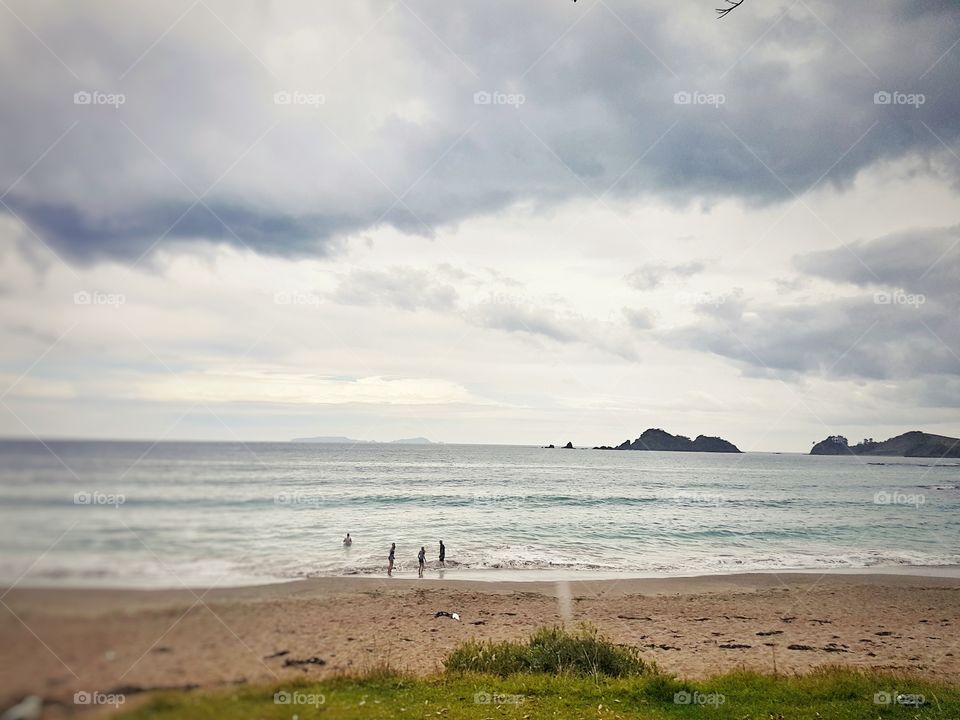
{"x":910,"y":444}
{"x":657,"y":439}
{"x":660,"y":440}
{"x":341,"y":440}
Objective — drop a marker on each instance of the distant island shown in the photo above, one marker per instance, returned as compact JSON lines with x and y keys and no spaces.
{"x":911,"y":444}
{"x":341,"y":440}
{"x":332,"y":439}
{"x":657,"y":439}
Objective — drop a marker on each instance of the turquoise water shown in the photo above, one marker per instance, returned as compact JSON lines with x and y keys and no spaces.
{"x":136,"y":514}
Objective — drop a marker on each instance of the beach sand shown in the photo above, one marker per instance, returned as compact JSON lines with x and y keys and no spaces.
{"x":56,"y":642}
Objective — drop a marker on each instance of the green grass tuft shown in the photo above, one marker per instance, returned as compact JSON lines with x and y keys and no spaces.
{"x":550,"y":650}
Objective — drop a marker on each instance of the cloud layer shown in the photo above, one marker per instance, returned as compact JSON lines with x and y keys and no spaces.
{"x":378,"y":122}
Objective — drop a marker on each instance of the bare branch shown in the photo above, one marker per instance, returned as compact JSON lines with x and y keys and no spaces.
{"x":734,"y":4}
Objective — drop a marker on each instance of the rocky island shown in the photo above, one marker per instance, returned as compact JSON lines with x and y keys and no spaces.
{"x":657,"y":439}
{"x":911,"y":444}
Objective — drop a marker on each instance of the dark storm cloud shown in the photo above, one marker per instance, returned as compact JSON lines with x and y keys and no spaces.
{"x":900,"y":321}
{"x":129,"y":235}
{"x":626,"y":98}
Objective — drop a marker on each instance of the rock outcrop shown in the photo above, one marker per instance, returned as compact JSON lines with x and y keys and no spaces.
{"x":911,"y":444}
{"x":657,"y":439}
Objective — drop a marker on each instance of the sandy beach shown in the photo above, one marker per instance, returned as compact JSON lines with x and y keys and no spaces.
{"x":54,"y":643}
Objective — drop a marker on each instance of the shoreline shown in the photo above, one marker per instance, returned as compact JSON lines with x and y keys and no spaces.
{"x":68,"y":600}
{"x":56,"y":641}
{"x":494,"y":576}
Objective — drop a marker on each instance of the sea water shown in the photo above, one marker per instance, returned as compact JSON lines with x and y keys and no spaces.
{"x":200,"y":514}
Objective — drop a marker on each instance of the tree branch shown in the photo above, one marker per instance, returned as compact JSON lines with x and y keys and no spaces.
{"x":722,"y":12}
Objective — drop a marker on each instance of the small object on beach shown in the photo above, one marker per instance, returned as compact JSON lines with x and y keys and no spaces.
{"x":29,"y":708}
{"x":292,"y":662}
{"x":278,"y":653}
{"x":444,"y":613}
{"x":834,"y":648}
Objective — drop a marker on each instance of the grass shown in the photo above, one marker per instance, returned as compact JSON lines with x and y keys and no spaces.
{"x":551,"y":650}
{"x":556,"y":674}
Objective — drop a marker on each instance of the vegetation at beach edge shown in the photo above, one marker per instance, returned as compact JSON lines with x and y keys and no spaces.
{"x":560,"y":674}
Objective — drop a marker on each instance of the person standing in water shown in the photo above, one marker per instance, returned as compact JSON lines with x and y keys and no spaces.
{"x":390,"y":557}
{"x":347,"y":541}
{"x":443,"y":554}
{"x":422,"y":557}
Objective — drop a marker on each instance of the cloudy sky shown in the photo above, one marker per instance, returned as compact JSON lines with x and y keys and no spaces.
{"x":480,"y":222}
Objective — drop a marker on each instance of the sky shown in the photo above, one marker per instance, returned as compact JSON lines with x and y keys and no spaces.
{"x":495,"y":222}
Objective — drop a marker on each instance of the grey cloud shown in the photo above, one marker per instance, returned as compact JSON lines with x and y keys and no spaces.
{"x":900,"y":324}
{"x":129,"y":235}
{"x":920,"y":261}
{"x":523,"y":318}
{"x":650,"y":276}
{"x":400,"y":287}
{"x":596,"y":101}
{"x":534,"y":321}
{"x":639,"y":319}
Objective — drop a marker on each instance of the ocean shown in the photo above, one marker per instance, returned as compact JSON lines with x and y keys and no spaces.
{"x":133,"y":514}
